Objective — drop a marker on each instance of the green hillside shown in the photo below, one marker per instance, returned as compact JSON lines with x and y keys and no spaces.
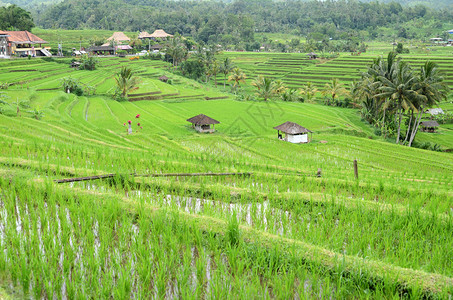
{"x":272,"y":229}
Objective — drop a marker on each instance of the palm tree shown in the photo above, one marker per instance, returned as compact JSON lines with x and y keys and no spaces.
{"x":370,"y":83}
{"x":399,"y":89}
{"x":431,"y":86}
{"x":334,"y":89}
{"x":309,"y":91}
{"x":214,"y":69}
{"x":176,"y":49}
{"x":280,"y":87}
{"x":125,"y":81}
{"x":226,"y":68}
{"x":292,"y":95}
{"x":266,"y":87}
{"x":237,"y":77}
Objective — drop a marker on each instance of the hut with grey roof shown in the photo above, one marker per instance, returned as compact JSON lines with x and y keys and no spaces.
{"x":202,"y":123}
{"x":294,"y":133}
{"x":429,"y":126}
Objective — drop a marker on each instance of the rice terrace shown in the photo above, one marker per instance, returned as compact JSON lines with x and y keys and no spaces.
{"x":179,"y":169}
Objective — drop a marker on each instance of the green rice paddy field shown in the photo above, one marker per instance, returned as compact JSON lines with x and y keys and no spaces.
{"x":273,"y":229}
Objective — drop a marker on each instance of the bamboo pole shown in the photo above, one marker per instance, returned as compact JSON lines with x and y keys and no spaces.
{"x":95,"y":177}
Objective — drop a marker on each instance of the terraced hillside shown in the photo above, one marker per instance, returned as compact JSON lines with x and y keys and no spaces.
{"x":296,"y":69}
{"x":260,"y":222}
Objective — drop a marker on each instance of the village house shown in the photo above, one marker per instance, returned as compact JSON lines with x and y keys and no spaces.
{"x":294,"y":133}
{"x":202,"y":123}
{"x":22,"y":43}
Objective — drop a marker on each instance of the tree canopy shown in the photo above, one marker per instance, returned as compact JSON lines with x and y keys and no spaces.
{"x":12,"y":17}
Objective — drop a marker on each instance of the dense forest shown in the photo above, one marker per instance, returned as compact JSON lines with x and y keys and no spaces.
{"x":239,"y":20}
{"x":429,"y":3}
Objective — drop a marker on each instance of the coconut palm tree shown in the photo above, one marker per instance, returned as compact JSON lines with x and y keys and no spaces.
{"x":214,"y":69}
{"x":266,"y":87}
{"x":237,"y":76}
{"x":400,"y":90}
{"x":226,"y":68}
{"x":334,"y":89}
{"x":125,"y":81}
{"x":292,"y":95}
{"x":430,"y":85}
{"x":309,"y":91}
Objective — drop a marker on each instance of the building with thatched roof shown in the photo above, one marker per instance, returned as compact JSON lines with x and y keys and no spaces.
{"x":143,"y":35}
{"x":294,"y":133}
{"x":202,"y":123}
{"x":163,"y":78}
{"x":119,"y":38}
{"x":24,"y":43}
{"x":429,"y":126}
{"x":160,"y":34}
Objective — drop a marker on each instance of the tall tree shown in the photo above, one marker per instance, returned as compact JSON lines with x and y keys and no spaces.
{"x":400,"y":90}
{"x":227,"y":67}
{"x":13,"y":17}
{"x":214,"y":69}
{"x":430,"y":85}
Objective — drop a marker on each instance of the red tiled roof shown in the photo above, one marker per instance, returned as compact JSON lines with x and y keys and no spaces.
{"x":24,"y":37}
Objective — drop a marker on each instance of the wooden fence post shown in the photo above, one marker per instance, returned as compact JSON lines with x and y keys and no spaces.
{"x":356,"y":170}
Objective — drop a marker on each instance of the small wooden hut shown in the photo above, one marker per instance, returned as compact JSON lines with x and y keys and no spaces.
{"x":202,"y":123}
{"x":312,"y":55}
{"x":163,"y":78}
{"x":429,"y":126}
{"x":294,"y":133}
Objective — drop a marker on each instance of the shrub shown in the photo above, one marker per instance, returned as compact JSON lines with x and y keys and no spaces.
{"x":72,"y":85}
{"x":88,"y":62}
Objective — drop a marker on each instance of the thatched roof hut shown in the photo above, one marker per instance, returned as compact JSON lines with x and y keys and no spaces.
{"x":202,"y":123}
{"x":163,"y":78}
{"x":294,"y":133}
{"x":429,"y":126}
{"x":143,"y":35}
{"x":160,"y":34}
{"x":119,"y":37}
{"x":312,"y":55}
